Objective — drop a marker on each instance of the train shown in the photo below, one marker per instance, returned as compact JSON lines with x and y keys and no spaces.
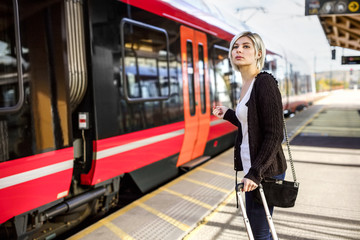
{"x":99,"y":97}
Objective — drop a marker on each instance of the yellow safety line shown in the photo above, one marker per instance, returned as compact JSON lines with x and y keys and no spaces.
{"x":207,"y":185}
{"x":216,"y":173}
{"x":336,"y":128}
{"x":187,"y":198}
{"x":103,"y":222}
{"x":115,"y":229}
{"x":305,"y":124}
{"x":86,"y":231}
{"x":210,"y":216}
{"x":109,"y":218}
{"x":123,"y":210}
{"x":165,"y":217}
{"x":224,"y":163}
{"x":136,"y":203}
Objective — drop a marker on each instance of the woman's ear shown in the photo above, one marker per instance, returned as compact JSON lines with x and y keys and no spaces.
{"x":259,"y":55}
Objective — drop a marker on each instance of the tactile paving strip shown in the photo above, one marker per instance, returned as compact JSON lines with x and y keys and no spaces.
{"x":174,"y":209}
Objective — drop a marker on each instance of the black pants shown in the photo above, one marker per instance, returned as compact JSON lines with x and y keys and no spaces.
{"x":257,"y":215}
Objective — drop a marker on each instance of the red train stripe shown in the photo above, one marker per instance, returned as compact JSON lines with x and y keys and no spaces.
{"x":33,"y":162}
{"x":165,"y":9}
{"x":221,"y":130}
{"x":21,"y":198}
{"x":126,"y":153}
{"x":127,"y":161}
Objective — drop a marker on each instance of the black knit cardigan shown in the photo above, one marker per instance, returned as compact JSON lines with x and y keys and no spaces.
{"x":265,"y":130}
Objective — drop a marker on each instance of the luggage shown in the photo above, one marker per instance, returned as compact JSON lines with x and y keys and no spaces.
{"x":246,"y":220}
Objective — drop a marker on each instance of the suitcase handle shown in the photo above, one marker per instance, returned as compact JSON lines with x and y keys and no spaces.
{"x":240,"y":186}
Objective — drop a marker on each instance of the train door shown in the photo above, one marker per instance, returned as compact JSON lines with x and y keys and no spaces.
{"x":196,"y":94}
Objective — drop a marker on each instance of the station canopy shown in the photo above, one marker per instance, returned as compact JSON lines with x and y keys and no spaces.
{"x":339,"y":19}
{"x":342,"y":30}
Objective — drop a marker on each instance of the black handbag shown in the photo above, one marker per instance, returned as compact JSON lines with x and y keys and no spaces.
{"x":280,"y":193}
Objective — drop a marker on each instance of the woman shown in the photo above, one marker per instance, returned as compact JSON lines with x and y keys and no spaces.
{"x":259,"y":118}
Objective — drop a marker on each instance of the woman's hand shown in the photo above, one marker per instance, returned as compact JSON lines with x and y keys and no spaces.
{"x":249,"y":185}
{"x":219,"y":111}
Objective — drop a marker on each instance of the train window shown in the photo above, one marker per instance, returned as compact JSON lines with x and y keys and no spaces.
{"x":145,"y":50}
{"x":131,"y":65}
{"x":202,"y":78}
{"x":11,"y":77}
{"x":42,"y":122}
{"x":270,"y":64}
{"x":278,"y":69}
{"x":225,"y":87}
{"x":190,"y":72}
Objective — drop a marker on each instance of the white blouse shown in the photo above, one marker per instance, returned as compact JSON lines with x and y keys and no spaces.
{"x":242,"y":115}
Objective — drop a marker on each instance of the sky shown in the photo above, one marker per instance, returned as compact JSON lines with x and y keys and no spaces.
{"x":284,"y":22}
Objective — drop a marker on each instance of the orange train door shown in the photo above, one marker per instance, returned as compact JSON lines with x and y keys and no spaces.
{"x":196,"y":91}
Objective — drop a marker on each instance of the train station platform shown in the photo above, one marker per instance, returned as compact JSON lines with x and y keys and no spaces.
{"x":325,"y":145}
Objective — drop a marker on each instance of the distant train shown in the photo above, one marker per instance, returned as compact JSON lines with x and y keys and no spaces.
{"x":99,"y":96}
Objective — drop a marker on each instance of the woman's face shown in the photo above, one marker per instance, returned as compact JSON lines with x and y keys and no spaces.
{"x":243,"y":52}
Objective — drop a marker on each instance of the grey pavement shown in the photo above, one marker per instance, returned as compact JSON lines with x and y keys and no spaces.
{"x":328,"y":204}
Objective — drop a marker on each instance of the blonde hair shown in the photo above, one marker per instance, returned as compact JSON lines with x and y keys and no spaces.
{"x":258,"y":45}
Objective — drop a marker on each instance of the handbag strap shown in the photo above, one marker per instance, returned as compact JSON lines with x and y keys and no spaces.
{"x":290,"y":156}
{"x":236,"y":183}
